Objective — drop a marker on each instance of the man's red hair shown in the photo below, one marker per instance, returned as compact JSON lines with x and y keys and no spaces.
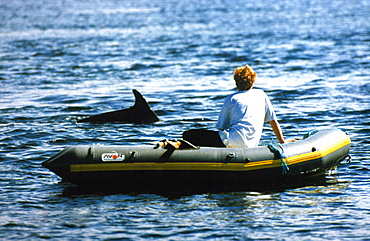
{"x":244,"y":77}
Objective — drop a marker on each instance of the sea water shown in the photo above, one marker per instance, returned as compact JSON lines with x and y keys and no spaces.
{"x":64,"y":60}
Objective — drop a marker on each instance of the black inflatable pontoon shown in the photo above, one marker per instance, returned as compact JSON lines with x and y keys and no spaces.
{"x":134,"y":166}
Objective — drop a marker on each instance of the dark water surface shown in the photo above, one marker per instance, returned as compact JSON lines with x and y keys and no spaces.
{"x":61,"y":61}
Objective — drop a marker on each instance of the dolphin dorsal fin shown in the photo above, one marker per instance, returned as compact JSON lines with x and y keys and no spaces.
{"x":143,"y":112}
{"x":139,"y":99}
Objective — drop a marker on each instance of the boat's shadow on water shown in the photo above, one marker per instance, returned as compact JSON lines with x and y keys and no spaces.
{"x":182,"y":190}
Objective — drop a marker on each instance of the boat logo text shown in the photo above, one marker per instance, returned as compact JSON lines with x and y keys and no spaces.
{"x":112,"y":157}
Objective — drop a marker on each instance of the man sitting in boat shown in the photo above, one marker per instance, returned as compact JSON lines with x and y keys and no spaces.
{"x":242,"y":116}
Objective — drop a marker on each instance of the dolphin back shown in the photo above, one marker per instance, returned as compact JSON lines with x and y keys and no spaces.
{"x":139,"y":113}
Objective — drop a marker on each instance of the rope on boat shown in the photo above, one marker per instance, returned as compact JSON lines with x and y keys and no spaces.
{"x":285,"y":167}
{"x":310,"y":133}
{"x":278,"y":148}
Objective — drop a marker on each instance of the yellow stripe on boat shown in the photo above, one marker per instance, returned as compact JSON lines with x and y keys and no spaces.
{"x":318,"y":154}
{"x":174,"y":166}
{"x":207,"y":166}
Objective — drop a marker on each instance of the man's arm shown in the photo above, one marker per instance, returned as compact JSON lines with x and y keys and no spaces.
{"x":277,"y":130}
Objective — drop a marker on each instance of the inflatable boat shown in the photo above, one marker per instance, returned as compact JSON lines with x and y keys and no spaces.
{"x":138,"y":166}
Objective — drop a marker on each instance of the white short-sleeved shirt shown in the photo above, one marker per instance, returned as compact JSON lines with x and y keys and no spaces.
{"x":242,"y":116}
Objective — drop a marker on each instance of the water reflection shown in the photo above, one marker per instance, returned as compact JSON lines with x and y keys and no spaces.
{"x":70,"y":190}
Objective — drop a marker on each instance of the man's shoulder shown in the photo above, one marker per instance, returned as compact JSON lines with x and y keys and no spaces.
{"x":251,"y":92}
{"x":256,"y":90}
